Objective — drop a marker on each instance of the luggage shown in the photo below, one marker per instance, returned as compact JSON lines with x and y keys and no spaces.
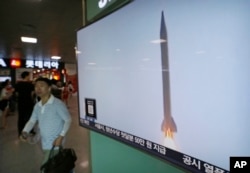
{"x":62,"y":162}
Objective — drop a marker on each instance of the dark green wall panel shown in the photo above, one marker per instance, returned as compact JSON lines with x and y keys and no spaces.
{"x":111,"y":156}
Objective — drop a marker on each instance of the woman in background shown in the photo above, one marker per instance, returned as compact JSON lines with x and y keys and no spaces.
{"x":65,"y":94}
{"x":70,"y":88}
{"x":5,"y":95}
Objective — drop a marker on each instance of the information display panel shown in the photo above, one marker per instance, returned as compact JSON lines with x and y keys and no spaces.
{"x":171,"y":78}
{"x":96,"y":9}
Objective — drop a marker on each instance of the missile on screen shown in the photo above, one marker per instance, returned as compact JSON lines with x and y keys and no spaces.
{"x":168,"y":123}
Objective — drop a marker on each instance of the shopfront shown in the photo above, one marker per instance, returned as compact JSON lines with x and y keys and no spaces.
{"x":12,"y":68}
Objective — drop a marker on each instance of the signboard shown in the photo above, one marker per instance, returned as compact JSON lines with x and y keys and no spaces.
{"x":18,"y":63}
{"x":171,"y":78}
{"x":96,"y":9}
{"x":3,"y":63}
{"x":41,"y":64}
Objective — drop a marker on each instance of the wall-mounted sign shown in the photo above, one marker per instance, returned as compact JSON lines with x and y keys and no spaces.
{"x":15,"y":63}
{"x":3,"y":63}
{"x":96,"y":9}
{"x":41,"y":64}
{"x":18,"y":63}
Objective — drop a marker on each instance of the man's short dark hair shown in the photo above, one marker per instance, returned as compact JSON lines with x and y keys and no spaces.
{"x":24,"y":74}
{"x":44,"y":79}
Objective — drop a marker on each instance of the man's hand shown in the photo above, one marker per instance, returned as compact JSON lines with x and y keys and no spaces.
{"x":24,"y":136}
{"x":58,"y":141}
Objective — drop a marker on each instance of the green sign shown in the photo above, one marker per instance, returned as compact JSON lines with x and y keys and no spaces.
{"x":96,"y":9}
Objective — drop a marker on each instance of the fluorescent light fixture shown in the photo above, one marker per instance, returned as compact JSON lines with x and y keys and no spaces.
{"x":78,"y":52}
{"x":29,"y":39}
{"x":55,"y":57}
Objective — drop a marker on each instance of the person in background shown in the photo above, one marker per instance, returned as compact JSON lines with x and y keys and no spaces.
{"x":59,"y":85}
{"x":65,"y":94}
{"x":25,"y":100}
{"x":55,"y":90}
{"x":71,"y":89}
{"x":52,"y":116}
{"x":5,"y":95}
{"x":11,"y":90}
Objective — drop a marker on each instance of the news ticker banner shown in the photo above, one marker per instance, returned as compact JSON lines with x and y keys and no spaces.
{"x":237,"y":164}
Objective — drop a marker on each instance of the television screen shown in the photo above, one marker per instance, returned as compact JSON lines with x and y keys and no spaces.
{"x":171,"y":78}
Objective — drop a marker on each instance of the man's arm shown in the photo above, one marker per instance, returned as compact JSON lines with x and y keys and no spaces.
{"x":64,"y":114}
{"x":59,"y":139}
{"x":25,"y":133}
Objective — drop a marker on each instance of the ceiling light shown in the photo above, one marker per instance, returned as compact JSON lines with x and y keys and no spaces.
{"x":78,"y":52}
{"x":29,"y":39}
{"x":55,"y":57}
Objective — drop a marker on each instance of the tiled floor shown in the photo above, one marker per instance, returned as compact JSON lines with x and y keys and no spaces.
{"x":20,"y":157}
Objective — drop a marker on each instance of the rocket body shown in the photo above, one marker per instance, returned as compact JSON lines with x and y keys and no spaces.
{"x":168,"y":121}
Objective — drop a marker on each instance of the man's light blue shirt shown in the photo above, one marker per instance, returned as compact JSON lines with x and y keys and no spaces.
{"x":53,"y":118}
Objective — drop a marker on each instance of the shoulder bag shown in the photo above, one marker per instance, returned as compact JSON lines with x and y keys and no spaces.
{"x":62,"y":162}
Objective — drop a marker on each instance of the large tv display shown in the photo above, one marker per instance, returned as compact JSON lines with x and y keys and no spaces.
{"x":171,"y":78}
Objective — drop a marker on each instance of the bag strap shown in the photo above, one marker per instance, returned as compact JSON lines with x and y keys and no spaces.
{"x":51,"y":153}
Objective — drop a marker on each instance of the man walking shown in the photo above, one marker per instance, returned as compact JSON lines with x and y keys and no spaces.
{"x":52,"y":116}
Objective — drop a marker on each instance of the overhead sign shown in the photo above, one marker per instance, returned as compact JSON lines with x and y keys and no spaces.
{"x":3,"y":63}
{"x":16,"y":63}
{"x":41,"y":64}
{"x":96,"y":9}
{"x":104,"y":3}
